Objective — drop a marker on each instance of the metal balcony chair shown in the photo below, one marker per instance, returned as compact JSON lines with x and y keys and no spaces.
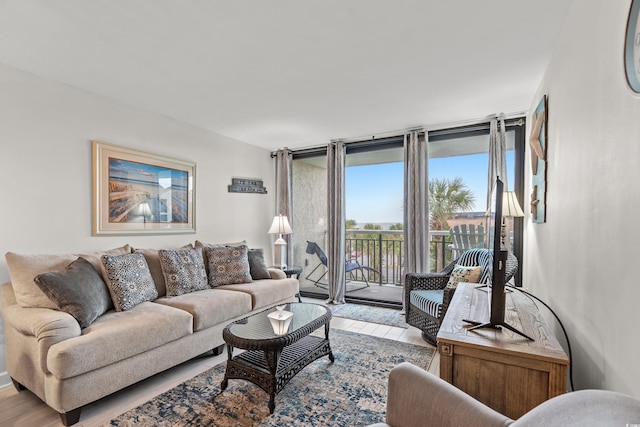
{"x":351,"y":267}
{"x":427,"y":295}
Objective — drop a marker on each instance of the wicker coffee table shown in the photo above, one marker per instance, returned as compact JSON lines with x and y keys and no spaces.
{"x":272,"y":360}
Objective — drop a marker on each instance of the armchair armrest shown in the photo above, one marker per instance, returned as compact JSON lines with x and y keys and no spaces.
{"x":418,"y":398}
{"x":426,"y":281}
{"x":423,"y":282}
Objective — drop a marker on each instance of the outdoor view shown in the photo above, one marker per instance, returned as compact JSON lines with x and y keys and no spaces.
{"x":374,"y":198}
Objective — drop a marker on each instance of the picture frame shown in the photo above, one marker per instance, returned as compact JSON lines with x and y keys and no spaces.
{"x":538,"y":143}
{"x":135,"y":192}
{"x":632,"y":47}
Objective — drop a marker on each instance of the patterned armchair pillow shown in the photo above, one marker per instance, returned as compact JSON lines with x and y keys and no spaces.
{"x":464,"y":274}
{"x":228,"y":265}
{"x":183,"y":271}
{"x":128,"y":279}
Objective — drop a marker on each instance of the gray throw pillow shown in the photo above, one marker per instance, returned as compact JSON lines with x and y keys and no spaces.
{"x":129,"y":280}
{"x":228,"y":265}
{"x":78,"y":290}
{"x":257,"y":267}
{"x":183,"y":271}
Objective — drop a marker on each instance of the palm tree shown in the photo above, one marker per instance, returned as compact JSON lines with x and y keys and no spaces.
{"x":446,"y":197}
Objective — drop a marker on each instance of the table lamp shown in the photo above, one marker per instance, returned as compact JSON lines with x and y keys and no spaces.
{"x":510,"y":208}
{"x":280,"y":226}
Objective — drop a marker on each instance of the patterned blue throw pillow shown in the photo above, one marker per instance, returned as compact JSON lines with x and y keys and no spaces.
{"x":129,"y":280}
{"x":228,"y":265}
{"x":183,"y":271}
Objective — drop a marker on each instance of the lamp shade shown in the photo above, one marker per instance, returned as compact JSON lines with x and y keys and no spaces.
{"x":280,"y":225}
{"x":510,"y":205}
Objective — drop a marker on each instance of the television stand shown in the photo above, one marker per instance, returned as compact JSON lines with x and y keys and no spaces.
{"x":500,"y":368}
{"x":480,"y":325}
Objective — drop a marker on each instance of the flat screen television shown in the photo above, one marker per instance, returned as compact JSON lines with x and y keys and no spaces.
{"x":496,"y":289}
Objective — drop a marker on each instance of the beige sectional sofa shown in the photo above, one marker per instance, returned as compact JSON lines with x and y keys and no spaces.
{"x":68,"y":366}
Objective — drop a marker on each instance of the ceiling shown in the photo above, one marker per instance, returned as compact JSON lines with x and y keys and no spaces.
{"x":296,"y":73}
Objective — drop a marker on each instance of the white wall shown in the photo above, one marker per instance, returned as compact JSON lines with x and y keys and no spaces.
{"x":582,"y":261}
{"x":46,"y":174}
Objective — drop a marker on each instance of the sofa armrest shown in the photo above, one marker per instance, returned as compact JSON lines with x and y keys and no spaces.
{"x":48,"y":327}
{"x":276,"y":273}
{"x":418,"y":398}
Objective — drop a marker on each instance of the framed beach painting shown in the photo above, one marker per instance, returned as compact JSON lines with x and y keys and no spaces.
{"x":141,"y":193}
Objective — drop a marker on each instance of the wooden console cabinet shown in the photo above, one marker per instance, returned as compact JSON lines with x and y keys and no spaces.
{"x":498,"y":367}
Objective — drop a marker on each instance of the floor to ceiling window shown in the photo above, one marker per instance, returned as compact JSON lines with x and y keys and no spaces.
{"x":374,"y":206}
{"x":458,"y":158}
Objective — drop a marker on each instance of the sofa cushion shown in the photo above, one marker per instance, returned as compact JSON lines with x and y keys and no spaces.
{"x":228,"y":265}
{"x":129,"y":280}
{"x":115,"y":336}
{"x":461,"y":273}
{"x":183,"y":271}
{"x":257,"y":267}
{"x":266,"y":292}
{"x":78,"y":290}
{"x":210,"y":307}
{"x":24,"y":268}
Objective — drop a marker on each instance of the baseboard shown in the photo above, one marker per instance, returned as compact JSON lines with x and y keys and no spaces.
{"x":5,"y":379}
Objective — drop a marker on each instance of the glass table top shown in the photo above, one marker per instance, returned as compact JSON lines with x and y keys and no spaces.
{"x":258,"y":326}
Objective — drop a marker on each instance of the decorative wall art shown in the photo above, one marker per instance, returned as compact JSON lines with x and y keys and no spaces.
{"x":141,"y":193}
{"x":632,"y":47}
{"x":538,"y":143}
{"x":247,"y":185}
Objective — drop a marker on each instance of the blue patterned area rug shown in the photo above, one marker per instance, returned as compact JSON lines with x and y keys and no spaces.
{"x":352,"y":391}
{"x":368,"y":313}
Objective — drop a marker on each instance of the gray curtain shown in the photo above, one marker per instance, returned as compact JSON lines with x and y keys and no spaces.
{"x":336,"y":221}
{"x":416,"y":203}
{"x":283,"y":195}
{"x":497,"y":155}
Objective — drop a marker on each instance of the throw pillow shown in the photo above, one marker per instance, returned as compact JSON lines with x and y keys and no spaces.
{"x":129,"y":280}
{"x":204,"y":246}
{"x":228,"y":265}
{"x":78,"y":290}
{"x":257,"y":267}
{"x":153,"y":261}
{"x":23,"y":268}
{"x":183,"y":271}
{"x":464,"y":274}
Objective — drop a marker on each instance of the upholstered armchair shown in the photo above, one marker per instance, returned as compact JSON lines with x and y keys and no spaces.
{"x":427,"y":295}
{"x":418,"y":398}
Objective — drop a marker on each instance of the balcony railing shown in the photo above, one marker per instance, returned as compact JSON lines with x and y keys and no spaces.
{"x":383,"y":250}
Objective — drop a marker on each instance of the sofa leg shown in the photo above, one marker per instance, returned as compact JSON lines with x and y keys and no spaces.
{"x":71,"y":417}
{"x":17,"y":385}
{"x":218,"y":350}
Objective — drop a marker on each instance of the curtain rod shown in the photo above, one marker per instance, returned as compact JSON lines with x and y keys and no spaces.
{"x":517,"y":117}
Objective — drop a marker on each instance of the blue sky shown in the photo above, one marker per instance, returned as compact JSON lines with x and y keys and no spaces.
{"x":374,"y":193}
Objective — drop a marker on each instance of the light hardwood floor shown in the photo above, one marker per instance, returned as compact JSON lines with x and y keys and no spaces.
{"x":25,"y":410}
